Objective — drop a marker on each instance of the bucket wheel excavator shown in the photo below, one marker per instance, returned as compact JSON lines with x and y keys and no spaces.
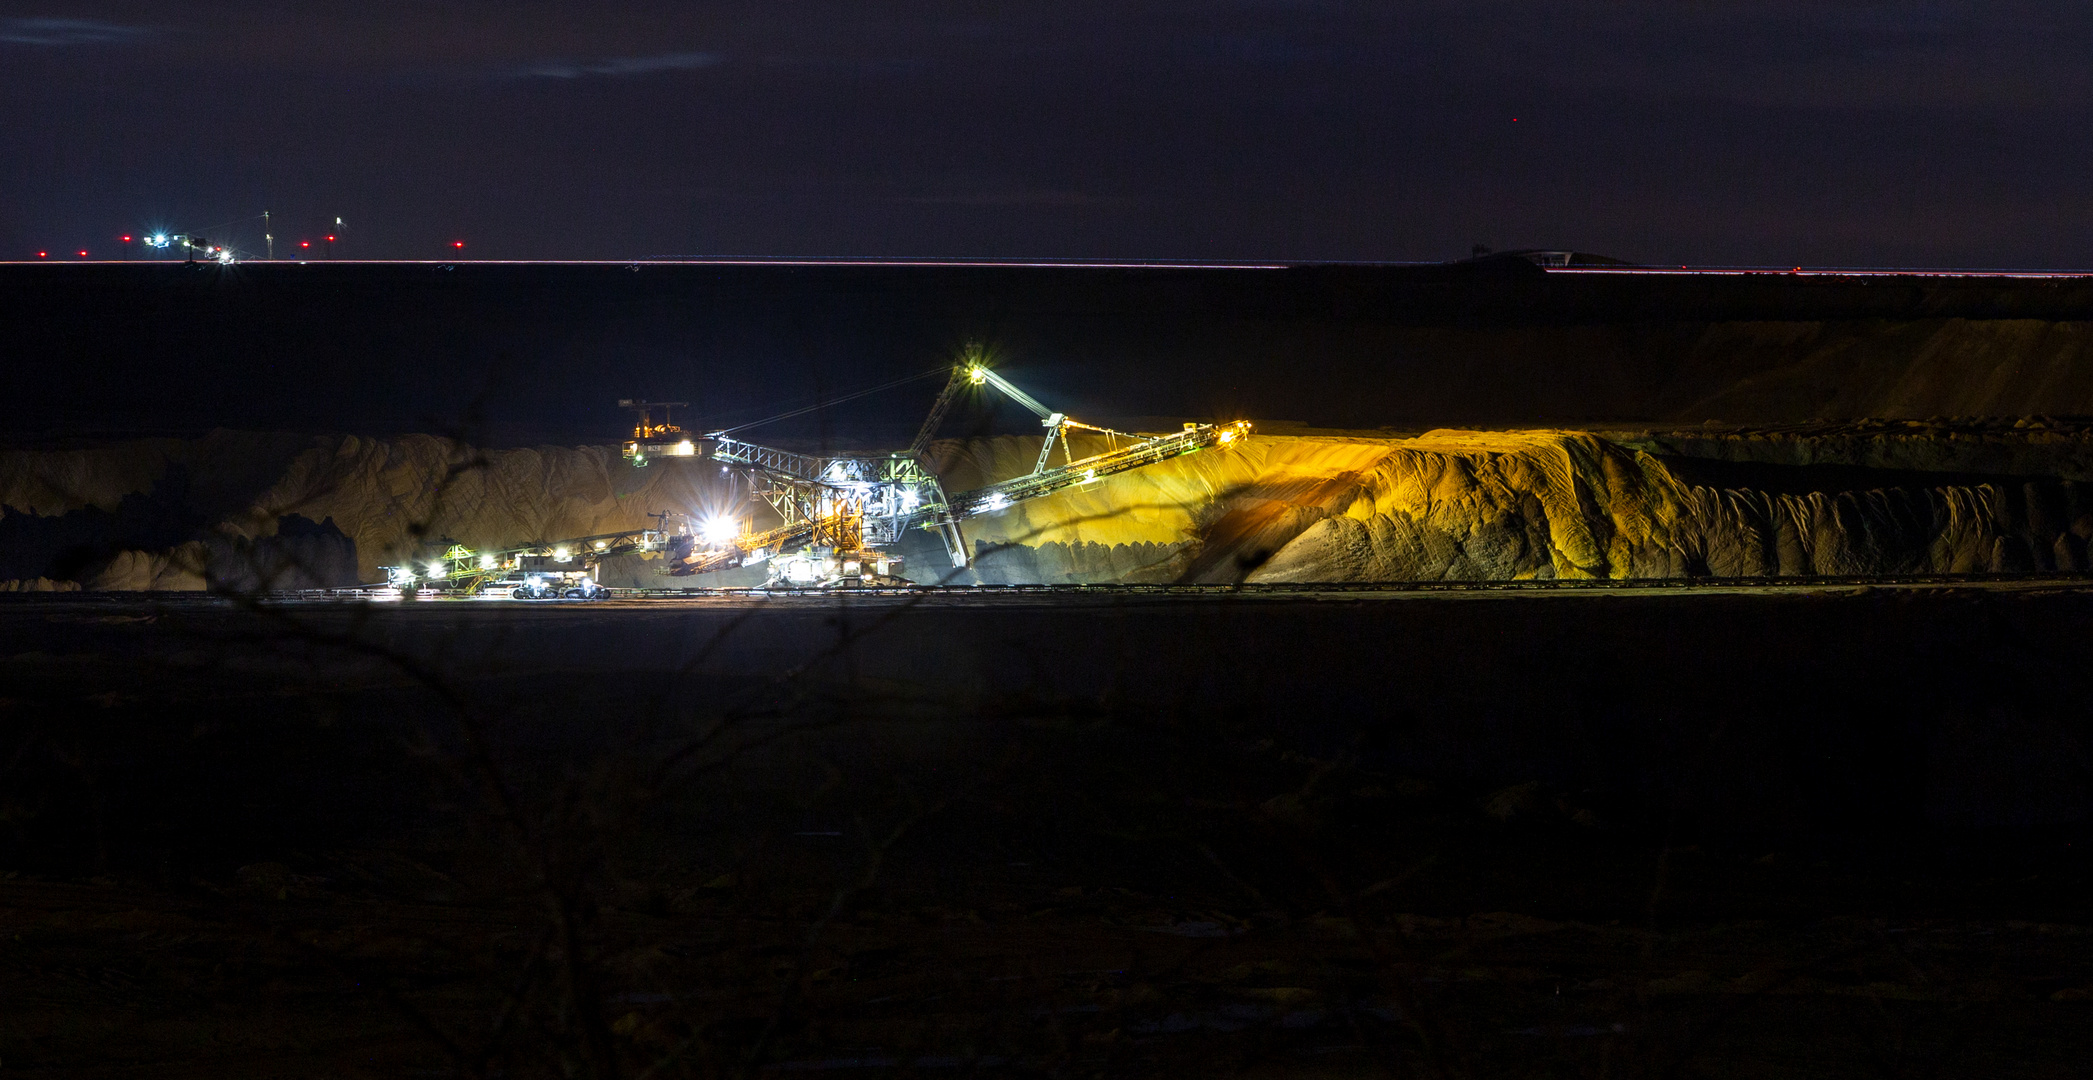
{"x":841,"y":514}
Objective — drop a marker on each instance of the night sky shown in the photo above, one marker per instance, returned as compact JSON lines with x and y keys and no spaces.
{"x":1936,"y":134}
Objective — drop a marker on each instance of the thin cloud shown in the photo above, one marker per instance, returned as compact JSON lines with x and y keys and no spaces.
{"x":58,"y":32}
{"x":1015,"y":198}
{"x":623,"y":66}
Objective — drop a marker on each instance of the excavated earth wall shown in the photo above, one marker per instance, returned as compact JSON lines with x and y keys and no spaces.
{"x":1461,"y":505}
{"x":243,"y":509}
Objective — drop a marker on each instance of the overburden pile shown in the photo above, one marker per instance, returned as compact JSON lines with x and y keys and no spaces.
{"x":243,"y":509}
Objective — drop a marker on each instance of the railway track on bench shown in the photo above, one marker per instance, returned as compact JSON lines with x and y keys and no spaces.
{"x":1302,"y":589}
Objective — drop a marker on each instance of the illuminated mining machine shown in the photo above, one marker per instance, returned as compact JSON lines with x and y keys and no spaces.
{"x":562,"y":570}
{"x":839,"y":513}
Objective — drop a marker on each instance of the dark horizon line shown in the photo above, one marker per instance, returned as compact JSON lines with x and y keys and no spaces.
{"x":1114,"y":264}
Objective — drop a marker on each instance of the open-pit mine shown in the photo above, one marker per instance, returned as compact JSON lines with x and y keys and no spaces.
{"x":1867,"y":426}
{"x":1891,"y":499}
{"x":1483,"y":670}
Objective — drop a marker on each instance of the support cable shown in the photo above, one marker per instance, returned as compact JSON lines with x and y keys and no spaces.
{"x":826,"y":402}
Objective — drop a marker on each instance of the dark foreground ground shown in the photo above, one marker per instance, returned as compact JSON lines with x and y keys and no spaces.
{"x":1723,"y":835}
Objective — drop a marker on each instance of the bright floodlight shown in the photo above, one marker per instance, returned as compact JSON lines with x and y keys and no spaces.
{"x":977,"y":375}
{"x":718,"y":531}
{"x":998,"y":501}
{"x":561,"y":555}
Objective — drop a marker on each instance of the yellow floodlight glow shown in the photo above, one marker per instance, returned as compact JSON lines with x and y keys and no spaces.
{"x":562,"y":555}
{"x":601,"y":544}
{"x":686,"y":448}
{"x":977,"y":375}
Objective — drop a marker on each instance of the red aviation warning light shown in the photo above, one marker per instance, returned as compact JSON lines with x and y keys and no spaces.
{"x":83,"y":253}
{"x":458,"y":244}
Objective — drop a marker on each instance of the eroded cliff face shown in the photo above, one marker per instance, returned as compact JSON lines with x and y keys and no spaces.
{"x":243,"y":509}
{"x":167,"y":514}
{"x":1455,"y":505}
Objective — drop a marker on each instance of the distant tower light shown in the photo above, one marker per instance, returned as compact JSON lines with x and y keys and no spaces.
{"x":83,"y":253}
{"x":458,"y":243}
{"x":42,"y":254}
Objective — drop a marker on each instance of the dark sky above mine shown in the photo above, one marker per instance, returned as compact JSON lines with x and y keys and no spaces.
{"x":1667,"y":131}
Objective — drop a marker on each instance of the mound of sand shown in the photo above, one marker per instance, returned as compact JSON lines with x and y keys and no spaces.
{"x":170,"y":514}
{"x":1456,"y":505}
{"x":243,"y":509}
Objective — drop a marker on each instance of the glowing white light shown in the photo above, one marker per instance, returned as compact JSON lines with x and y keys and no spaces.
{"x":718,"y":531}
{"x":562,"y":555}
{"x":997,"y":501}
{"x":977,"y":375}
{"x":601,"y":544}
{"x":1089,"y":474}
{"x":686,"y":448}
{"x":486,"y":562}
{"x":910,"y":500}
